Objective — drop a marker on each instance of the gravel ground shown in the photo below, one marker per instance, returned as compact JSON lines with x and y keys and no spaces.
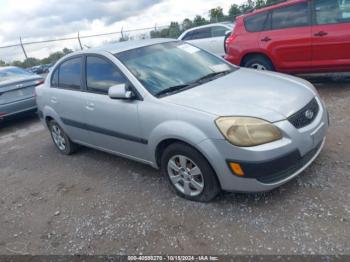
{"x":95,"y":203}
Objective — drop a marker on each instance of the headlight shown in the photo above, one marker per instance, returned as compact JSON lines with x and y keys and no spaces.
{"x":247,"y":131}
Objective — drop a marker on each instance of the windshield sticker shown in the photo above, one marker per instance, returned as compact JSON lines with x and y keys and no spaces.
{"x":220,"y":67}
{"x":189,"y":48}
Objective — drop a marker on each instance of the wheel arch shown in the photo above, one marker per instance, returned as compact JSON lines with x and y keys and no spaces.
{"x":256,"y":53}
{"x":162,"y":145}
{"x":50,"y":114}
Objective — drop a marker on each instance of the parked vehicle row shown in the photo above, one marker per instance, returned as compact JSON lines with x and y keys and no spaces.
{"x":17,"y":93}
{"x":297,"y":36}
{"x":206,"y":124}
{"x":40,"y":69}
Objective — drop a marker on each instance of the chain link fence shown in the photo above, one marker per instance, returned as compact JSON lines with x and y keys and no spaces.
{"x":24,"y":49}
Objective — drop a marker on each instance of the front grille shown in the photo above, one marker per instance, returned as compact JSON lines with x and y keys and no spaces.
{"x":306,"y":115}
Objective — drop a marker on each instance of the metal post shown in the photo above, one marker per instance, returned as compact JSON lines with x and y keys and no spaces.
{"x":81,"y":47}
{"x":121,"y":32}
{"x":24,"y":51}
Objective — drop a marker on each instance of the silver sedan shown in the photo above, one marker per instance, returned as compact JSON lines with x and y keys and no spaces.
{"x":206,"y":124}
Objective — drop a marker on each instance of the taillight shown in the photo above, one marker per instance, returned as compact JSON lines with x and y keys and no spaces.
{"x":39,"y":82}
{"x":229,"y":41}
{"x":231,"y":38}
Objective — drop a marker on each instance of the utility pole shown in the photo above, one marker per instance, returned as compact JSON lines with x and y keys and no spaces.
{"x":24,"y":51}
{"x":81,"y":47}
{"x":121,"y":32}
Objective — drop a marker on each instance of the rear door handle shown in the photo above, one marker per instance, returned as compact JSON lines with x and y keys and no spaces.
{"x":321,"y":33}
{"x":53,"y":100}
{"x":90,"y":106}
{"x":266,"y":39}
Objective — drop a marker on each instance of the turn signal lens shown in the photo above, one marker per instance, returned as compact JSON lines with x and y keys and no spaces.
{"x":236,"y":168}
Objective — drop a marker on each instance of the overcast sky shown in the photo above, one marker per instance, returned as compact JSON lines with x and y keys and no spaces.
{"x":46,"y":19}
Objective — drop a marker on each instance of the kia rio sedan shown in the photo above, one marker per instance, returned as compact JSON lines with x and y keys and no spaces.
{"x":207,"y":125}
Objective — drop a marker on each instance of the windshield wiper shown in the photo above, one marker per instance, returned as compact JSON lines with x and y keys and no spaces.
{"x":198,"y":81}
{"x":172,"y":89}
{"x":211,"y":76}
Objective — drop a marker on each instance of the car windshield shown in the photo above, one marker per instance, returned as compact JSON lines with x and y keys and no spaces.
{"x":173,"y":66}
{"x":13,"y":73}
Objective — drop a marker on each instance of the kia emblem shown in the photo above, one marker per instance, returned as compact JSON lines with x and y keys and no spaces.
{"x":309,"y":114}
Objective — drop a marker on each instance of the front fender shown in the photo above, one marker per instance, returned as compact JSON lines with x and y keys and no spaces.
{"x":174,"y":129}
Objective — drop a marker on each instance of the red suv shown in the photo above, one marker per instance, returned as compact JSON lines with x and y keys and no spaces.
{"x":296,"y":36}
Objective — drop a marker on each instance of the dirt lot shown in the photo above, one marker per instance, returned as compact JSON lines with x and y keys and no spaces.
{"x":95,"y":203}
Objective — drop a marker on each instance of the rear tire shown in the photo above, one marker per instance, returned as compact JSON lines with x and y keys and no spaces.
{"x":61,"y":140}
{"x":189,"y":173}
{"x":259,"y":63}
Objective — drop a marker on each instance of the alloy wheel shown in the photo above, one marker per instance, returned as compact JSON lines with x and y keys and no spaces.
{"x":185,"y":175}
{"x":258,"y":66}
{"x":58,"y":137}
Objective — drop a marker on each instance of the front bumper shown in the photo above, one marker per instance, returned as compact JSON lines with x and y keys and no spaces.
{"x":270,"y":165}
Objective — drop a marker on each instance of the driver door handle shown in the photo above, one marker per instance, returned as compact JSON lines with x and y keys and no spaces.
{"x":266,"y":39}
{"x":321,"y":33}
{"x":53,"y":100}
{"x":90,"y":106}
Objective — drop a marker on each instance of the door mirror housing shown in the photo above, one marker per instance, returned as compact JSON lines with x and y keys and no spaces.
{"x":120,"y":92}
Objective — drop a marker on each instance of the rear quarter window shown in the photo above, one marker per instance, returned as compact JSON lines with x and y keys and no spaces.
{"x":54,"y":78}
{"x":256,"y":23}
{"x":291,"y":16}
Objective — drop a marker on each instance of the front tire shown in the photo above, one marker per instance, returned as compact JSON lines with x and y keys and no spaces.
{"x":189,"y":173}
{"x":60,"y":139}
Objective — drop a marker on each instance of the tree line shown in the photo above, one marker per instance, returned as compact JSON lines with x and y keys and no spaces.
{"x":32,"y":61}
{"x":174,"y":30}
{"x":216,"y":15}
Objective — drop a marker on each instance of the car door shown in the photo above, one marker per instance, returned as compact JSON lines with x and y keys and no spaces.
{"x":217,"y":39}
{"x":200,"y":37}
{"x":113,"y":123}
{"x":331,"y":35}
{"x":66,"y":97}
{"x":287,"y":38}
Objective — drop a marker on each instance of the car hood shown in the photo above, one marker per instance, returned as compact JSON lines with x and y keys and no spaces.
{"x":246,"y":92}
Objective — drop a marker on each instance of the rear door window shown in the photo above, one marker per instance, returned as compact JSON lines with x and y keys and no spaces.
{"x":70,"y":74}
{"x":291,"y":16}
{"x":54,"y":78}
{"x":201,"y":33}
{"x":188,"y":36}
{"x":256,"y":23}
{"x":217,"y":31}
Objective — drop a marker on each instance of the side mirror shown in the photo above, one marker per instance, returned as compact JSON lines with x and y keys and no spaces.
{"x":120,"y":92}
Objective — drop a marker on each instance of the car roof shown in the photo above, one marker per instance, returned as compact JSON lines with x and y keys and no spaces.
{"x":271,"y":7}
{"x":227,"y":24}
{"x":126,"y":45}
